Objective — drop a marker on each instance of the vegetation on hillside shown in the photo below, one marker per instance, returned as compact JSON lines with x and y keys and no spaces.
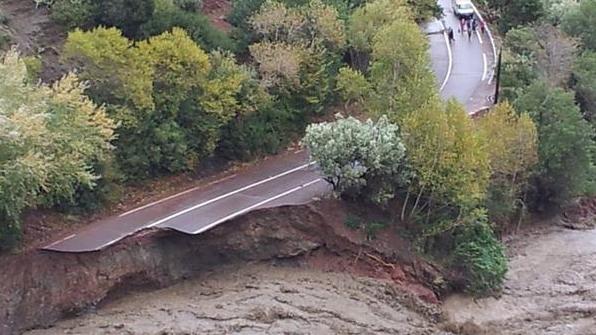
{"x":158,"y":90}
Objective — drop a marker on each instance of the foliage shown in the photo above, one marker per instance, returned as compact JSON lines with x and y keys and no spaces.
{"x":127,"y":15}
{"x":425,"y":9}
{"x":517,"y":13}
{"x":367,"y":20}
{"x":352,"y":86}
{"x":196,"y":25}
{"x":360,"y":159}
{"x":51,"y":136}
{"x":400,"y":71}
{"x":449,"y":160}
{"x":480,"y":255}
{"x":566,"y":146}
{"x":171,"y":98}
{"x":512,"y":154}
{"x":579,"y":22}
{"x":189,"y":5}
{"x":74,"y":13}
{"x":584,"y":84}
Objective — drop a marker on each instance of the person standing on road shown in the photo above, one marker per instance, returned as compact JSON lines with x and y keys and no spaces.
{"x":469,"y":26}
{"x":450,"y":35}
{"x":474,"y":24}
{"x":462,"y":24}
{"x":482,"y":26}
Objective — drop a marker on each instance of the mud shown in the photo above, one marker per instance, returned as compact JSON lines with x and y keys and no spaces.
{"x":260,"y":299}
{"x":550,"y":289}
{"x":39,"y":288}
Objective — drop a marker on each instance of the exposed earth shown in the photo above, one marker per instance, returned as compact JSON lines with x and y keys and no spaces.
{"x":550,"y":289}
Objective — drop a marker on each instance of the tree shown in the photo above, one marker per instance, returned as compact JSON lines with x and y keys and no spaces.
{"x":579,"y":22}
{"x":566,"y":146}
{"x":109,"y":62}
{"x":400,"y":71}
{"x":449,"y":160}
{"x":127,"y":15}
{"x":352,"y":86}
{"x":359,"y":158}
{"x":50,"y":139}
{"x":169,"y":98}
{"x":365,"y":23}
{"x":584,"y":84}
{"x":515,"y":13}
{"x":167,"y":16}
{"x":512,"y":154}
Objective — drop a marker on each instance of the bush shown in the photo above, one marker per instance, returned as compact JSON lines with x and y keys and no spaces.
{"x":481,"y":256}
{"x":196,"y":25}
{"x":4,"y":40}
{"x":264,"y":132}
{"x":74,"y":13}
{"x":126,"y":15}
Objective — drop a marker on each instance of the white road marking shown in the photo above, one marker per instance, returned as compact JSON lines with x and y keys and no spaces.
{"x":485,"y":68}
{"x":492,"y":43}
{"x":175,"y":195}
{"x":61,"y":240}
{"x":479,"y":36}
{"x":450,"y":54}
{"x":210,"y":201}
{"x":247,"y":209}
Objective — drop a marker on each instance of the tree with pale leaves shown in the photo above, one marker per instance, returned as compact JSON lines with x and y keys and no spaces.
{"x":50,"y":140}
{"x":360,"y":159}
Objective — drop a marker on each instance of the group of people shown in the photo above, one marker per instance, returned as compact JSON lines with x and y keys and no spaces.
{"x":467,"y":25}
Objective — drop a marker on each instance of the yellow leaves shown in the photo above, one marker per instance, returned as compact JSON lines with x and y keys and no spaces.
{"x":327,"y":26}
{"x":447,"y":154}
{"x":69,"y":92}
{"x":513,"y":140}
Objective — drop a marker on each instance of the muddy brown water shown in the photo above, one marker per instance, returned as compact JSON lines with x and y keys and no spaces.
{"x":550,"y":289}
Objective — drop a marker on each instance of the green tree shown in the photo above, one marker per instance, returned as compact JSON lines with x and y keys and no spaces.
{"x":515,"y":13}
{"x":167,"y":16}
{"x":566,"y":146}
{"x":584,"y":84}
{"x":51,"y":137}
{"x":352,"y":86}
{"x":360,"y":159}
{"x":127,"y":15}
{"x":400,"y":71}
{"x":579,"y":22}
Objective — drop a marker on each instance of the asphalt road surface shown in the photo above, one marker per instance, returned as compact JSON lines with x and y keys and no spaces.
{"x":465,"y":67}
{"x":463,"y":71}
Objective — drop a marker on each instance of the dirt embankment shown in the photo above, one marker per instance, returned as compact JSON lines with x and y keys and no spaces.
{"x":39,"y":288}
{"x":34,"y":34}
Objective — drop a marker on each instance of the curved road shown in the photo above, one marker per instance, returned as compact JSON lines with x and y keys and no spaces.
{"x":463,"y":72}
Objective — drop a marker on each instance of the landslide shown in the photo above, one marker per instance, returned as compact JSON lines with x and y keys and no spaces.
{"x":38,"y":288}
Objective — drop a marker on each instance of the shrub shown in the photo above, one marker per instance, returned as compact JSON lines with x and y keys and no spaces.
{"x":263,"y":132}
{"x":481,"y":256}
{"x":74,"y":13}
{"x":196,"y":25}
{"x":4,"y":40}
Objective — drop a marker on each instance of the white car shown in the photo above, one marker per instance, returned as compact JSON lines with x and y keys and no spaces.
{"x":463,"y":8}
